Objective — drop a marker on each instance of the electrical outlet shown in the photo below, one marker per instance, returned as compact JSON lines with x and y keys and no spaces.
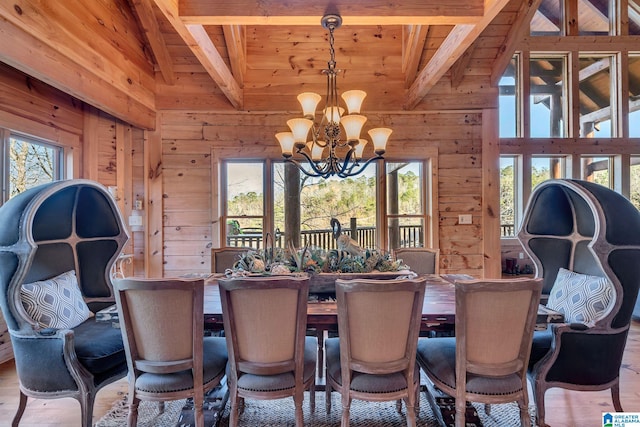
{"x":465,"y":219}
{"x":521,"y":255}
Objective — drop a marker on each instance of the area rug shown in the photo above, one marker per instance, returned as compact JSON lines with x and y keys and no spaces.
{"x":280,"y":413}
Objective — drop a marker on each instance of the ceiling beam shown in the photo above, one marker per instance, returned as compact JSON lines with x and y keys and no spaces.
{"x":518,"y":29}
{"x":197,"y":39}
{"x":452,"y":48}
{"x":304,"y":12}
{"x":413,"y":40}
{"x":153,"y":35}
{"x":236,"y":41}
{"x":458,"y":68}
{"x":71,"y":68}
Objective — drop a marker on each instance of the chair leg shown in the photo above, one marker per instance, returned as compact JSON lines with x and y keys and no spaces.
{"x":132,"y":418}
{"x":312,"y":396}
{"x":198,"y":403}
{"x":615,"y":396}
{"x":297,"y":400}
{"x":86,"y":408}
{"x":346,"y":409}
{"x":21,"y":407}
{"x":235,"y":400}
{"x":411,"y":410}
{"x":461,"y":407}
{"x":399,"y":406}
{"x":525,"y":418}
{"x":538,"y":395}
{"x":161,"y":407}
{"x":327,"y":397}
{"x":487,"y":408}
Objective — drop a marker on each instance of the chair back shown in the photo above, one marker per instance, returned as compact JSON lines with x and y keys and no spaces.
{"x":378,"y":324}
{"x":495,"y":320}
{"x":421,"y":260}
{"x":265,"y":322}
{"x":162,"y":324}
{"x":223,"y":258}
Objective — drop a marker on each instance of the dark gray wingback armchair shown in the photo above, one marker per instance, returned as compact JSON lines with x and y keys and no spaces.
{"x":48,"y":230}
{"x":592,"y":230}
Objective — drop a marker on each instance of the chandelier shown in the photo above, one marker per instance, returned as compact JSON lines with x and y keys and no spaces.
{"x":326,"y":135}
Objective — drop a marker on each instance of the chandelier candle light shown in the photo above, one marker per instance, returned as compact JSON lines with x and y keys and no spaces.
{"x":329,"y":127}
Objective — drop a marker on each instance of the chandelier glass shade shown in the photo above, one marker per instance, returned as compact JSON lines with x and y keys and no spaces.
{"x":336,"y":147}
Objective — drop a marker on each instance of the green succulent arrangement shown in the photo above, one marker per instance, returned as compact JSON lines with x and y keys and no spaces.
{"x":312,"y":261}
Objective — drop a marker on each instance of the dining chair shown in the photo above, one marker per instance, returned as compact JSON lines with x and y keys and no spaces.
{"x":223,"y":258}
{"x":270,"y":357}
{"x":487,"y":359}
{"x":373,"y":358}
{"x":584,"y":240}
{"x":421,"y":260}
{"x":168,"y":356}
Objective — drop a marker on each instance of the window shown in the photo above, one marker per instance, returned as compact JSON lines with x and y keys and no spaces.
{"x":296,"y":209}
{"x":634,"y":194}
{"x":598,"y":170}
{"x":544,"y":168}
{"x":508,"y":87}
{"x":593,"y":18}
{"x":546,"y":21}
{"x":548,"y":96}
{"x":508,"y":195}
{"x":595,"y":96}
{"x":634,"y":96}
{"x":244,"y":203}
{"x":29,"y":162}
{"x":406,"y":218}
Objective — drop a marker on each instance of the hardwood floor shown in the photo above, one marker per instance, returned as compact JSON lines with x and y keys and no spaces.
{"x":564,"y":408}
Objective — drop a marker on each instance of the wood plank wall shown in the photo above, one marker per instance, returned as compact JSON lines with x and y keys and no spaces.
{"x":194,"y":141}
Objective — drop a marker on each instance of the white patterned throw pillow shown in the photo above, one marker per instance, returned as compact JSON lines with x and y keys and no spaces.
{"x":56,"y":302}
{"x":580,"y":297}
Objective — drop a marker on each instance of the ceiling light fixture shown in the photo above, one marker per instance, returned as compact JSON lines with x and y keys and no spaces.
{"x":327,"y":133}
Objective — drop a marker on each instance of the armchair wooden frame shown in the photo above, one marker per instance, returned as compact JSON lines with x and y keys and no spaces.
{"x":225,"y":257}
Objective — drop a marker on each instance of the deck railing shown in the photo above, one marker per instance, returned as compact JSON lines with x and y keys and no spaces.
{"x":365,"y":236}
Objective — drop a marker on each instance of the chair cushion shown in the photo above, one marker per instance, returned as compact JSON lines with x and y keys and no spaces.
{"x":580,"y":297}
{"x":99,"y":346}
{"x":437,"y":356}
{"x":214,"y":362}
{"x":366,"y":383}
{"x":286,"y":380}
{"x":56,"y":302}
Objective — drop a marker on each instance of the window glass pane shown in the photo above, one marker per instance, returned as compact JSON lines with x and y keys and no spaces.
{"x":634,"y":95}
{"x":634,"y":193}
{"x":595,"y":96}
{"x":508,"y":100}
{"x":597,"y":169}
{"x":547,"y":98}
{"x":546,"y":21}
{"x":508,"y":189}
{"x":245,"y":190}
{"x":406,"y":232}
{"x":544,"y":168}
{"x":32,"y":163}
{"x":315,"y":201}
{"x":404,"y":188}
{"x":593,"y":18}
{"x":245,"y":203}
{"x":634,"y":17}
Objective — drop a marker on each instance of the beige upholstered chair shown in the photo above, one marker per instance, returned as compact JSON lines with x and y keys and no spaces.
{"x":421,"y":260}
{"x":374,"y":357}
{"x":168,"y":357}
{"x":223,"y":258}
{"x":487,"y":360}
{"x":265,"y":320}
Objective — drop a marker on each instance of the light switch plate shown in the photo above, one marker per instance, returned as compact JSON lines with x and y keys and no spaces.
{"x":465,"y":219}
{"x":135,"y":220}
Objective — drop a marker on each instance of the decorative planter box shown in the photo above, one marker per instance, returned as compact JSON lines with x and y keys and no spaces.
{"x":326,"y":282}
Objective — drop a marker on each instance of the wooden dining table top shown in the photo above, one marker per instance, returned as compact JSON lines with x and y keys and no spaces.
{"x":438,"y":309}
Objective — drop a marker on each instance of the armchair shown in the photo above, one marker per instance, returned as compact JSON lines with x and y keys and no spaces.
{"x":51,"y":237}
{"x":591,"y":230}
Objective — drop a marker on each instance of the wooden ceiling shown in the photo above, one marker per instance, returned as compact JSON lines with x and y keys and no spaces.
{"x":133,"y":58}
